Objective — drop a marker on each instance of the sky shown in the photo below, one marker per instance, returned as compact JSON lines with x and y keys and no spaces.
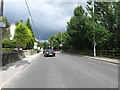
{"x":50,"y":17}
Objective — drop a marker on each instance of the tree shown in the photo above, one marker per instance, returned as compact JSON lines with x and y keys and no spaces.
{"x":17,"y":23}
{"x":77,"y":28}
{"x":31,"y":43}
{"x":28,"y":24}
{"x":7,"y":43}
{"x":108,"y":15}
{"x":104,"y":23}
{"x":102,"y":35}
{"x":21,"y":21}
{"x":6,"y":22}
{"x":55,"y":40}
{"x":45,"y":45}
{"x":82,"y":28}
{"x":6,"y":30}
{"x":22,"y":35}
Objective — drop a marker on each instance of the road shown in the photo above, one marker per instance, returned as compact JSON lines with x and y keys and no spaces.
{"x":66,"y":71}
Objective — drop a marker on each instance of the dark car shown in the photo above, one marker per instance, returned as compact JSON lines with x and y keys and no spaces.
{"x":49,"y":52}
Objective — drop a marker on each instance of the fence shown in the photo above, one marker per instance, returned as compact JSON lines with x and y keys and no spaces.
{"x":109,"y":53}
{"x":105,"y":53}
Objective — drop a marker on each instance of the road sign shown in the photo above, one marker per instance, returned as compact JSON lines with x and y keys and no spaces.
{"x":1,"y":18}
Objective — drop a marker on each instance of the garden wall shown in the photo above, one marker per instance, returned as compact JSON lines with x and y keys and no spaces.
{"x":12,"y":56}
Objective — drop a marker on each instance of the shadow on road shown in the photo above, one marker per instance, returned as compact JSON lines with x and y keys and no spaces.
{"x":15,"y":64}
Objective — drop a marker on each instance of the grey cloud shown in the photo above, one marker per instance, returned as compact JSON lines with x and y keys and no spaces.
{"x":49,"y":17}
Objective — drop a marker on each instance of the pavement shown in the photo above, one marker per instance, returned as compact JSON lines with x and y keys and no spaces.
{"x":104,"y":59}
{"x":110,"y":60}
{"x":10,"y":70}
{"x":66,"y":71}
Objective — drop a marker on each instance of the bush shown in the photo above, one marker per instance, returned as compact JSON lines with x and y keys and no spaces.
{"x":7,"y":43}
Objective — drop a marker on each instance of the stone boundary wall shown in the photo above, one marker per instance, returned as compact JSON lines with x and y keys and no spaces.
{"x":29,"y":52}
{"x":12,"y":56}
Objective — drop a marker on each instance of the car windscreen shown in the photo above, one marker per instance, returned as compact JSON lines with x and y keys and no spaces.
{"x":50,"y":51}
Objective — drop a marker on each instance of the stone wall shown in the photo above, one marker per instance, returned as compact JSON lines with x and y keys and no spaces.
{"x":12,"y":56}
{"x":29,"y":52}
{"x":9,"y":57}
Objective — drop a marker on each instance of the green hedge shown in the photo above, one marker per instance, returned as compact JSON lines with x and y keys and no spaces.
{"x":7,"y":49}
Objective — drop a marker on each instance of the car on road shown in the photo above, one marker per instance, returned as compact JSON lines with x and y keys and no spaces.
{"x":49,"y":52}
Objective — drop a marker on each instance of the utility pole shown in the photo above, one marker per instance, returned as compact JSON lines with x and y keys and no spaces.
{"x":61,"y":41}
{"x":1,"y":8}
{"x":1,"y":15}
{"x":94,"y":31}
{"x":52,"y":44}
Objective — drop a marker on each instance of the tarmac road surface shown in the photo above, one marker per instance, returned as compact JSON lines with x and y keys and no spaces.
{"x":66,"y":71}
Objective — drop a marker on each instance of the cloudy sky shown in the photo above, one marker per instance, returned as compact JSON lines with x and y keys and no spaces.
{"x":50,"y":17}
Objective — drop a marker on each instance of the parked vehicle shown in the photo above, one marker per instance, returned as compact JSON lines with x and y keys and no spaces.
{"x":49,"y":52}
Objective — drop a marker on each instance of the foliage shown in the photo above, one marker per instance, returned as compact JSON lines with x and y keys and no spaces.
{"x":7,"y":43}
{"x":22,"y":35}
{"x":7,"y":49}
{"x":6,"y":22}
{"x":21,"y":21}
{"x":5,"y":30}
{"x":56,"y":40}
{"x":45,"y":45}
{"x":31,"y":43}
{"x":82,"y":28}
{"x":17,"y":23}
{"x":108,"y":15}
{"x":77,"y":28}
{"x":103,"y":25}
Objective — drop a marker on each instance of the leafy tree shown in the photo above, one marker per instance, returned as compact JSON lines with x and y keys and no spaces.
{"x":5,"y":31}
{"x":7,"y":43}
{"x":22,"y":35}
{"x":45,"y":45}
{"x":77,"y":28}
{"x":55,"y":40}
{"x":17,"y":23}
{"x":108,"y":15}
{"x":102,"y":35}
{"x":21,"y":21}
{"x":6,"y":22}
{"x":81,"y":30}
{"x":104,"y":23}
{"x":31,"y":43}
{"x":28,"y":24}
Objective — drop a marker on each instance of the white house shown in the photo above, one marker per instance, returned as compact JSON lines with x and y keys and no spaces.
{"x":35,"y":45}
{"x":12,"y":30}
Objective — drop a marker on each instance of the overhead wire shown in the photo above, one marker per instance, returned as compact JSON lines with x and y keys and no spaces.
{"x":32,"y":18}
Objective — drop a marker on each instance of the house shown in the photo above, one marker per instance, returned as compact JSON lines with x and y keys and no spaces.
{"x":9,"y":32}
{"x":12,"y":31}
